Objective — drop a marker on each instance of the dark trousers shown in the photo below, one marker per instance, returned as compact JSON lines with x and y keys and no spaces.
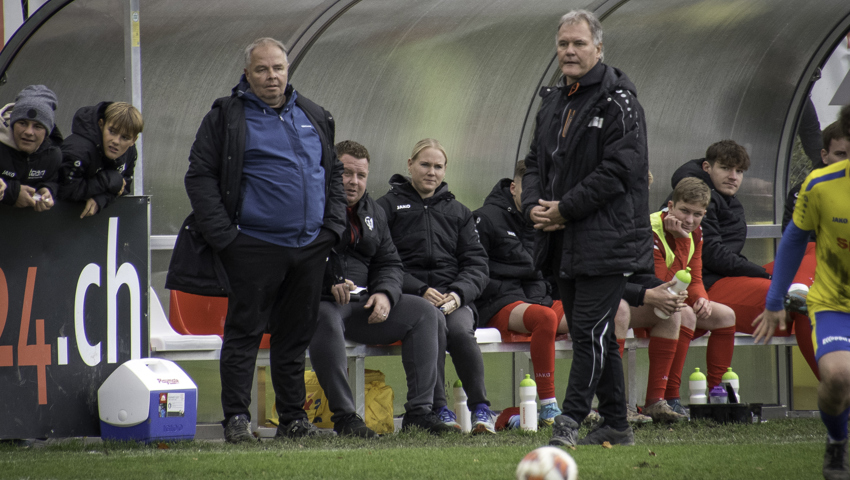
{"x":590,"y":304}
{"x":413,"y":320}
{"x":274,"y":289}
{"x":466,"y":357}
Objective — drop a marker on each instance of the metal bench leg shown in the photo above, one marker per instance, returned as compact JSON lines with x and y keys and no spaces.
{"x":631,"y":377}
{"x":357,"y":383}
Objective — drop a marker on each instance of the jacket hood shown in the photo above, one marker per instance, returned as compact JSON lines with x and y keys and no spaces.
{"x":400,"y":184}
{"x":692,"y":169}
{"x":501,"y":196}
{"x":85,"y":123}
{"x":610,"y":78}
{"x":6,"y":127}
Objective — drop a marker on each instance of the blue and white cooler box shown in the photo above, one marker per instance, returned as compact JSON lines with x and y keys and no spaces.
{"x":148,"y":400}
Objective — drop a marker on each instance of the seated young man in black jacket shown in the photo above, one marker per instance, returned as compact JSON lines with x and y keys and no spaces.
{"x":100,"y":154}
{"x":29,"y":150}
{"x":366,"y":257}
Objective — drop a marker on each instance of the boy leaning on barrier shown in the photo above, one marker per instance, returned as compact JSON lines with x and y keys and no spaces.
{"x":29,"y":150}
{"x":100,"y":154}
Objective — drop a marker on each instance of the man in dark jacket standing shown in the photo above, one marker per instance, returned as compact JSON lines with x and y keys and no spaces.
{"x":586,"y":193}
{"x":266,"y":193}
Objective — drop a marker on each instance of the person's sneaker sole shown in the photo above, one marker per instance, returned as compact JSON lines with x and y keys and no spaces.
{"x":481,"y":429}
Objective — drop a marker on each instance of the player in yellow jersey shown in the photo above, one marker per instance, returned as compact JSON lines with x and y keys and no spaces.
{"x":823,"y":207}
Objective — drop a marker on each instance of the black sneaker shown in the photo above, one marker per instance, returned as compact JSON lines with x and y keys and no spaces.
{"x":564,"y":432}
{"x":603,"y":434}
{"x":428,"y":421}
{"x":835,"y":466}
{"x":297,"y":429}
{"x":237,"y":430}
{"x":351,"y":425}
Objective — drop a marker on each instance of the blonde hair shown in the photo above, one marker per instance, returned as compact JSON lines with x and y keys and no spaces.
{"x":428,"y":143}
{"x":124,"y":117}
{"x":692,"y":190}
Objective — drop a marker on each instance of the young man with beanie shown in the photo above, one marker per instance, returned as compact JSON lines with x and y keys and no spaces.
{"x":100,"y":154}
{"x":29,"y":149}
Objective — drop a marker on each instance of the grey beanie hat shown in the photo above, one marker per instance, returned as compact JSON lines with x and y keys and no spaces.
{"x":35,"y":102}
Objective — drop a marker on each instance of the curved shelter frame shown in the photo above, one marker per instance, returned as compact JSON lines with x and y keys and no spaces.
{"x":465,"y":72}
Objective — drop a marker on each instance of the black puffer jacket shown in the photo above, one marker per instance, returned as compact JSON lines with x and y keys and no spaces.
{"x":509,"y":241}
{"x":38,"y":170}
{"x":599,"y":173}
{"x":724,"y":231}
{"x":86,"y":172}
{"x":437,"y":241}
{"x":372,"y":261}
{"x":213,"y":183}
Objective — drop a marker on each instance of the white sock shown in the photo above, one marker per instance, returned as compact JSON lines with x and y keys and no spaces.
{"x":547,"y":401}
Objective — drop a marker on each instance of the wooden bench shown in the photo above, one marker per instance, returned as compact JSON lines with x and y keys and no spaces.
{"x":170,"y":344}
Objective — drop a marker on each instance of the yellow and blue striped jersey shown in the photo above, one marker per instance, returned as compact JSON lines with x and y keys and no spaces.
{"x":824,"y":207}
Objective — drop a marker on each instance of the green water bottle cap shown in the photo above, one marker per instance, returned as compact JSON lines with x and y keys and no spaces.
{"x":458,"y":384}
{"x":730,"y":375}
{"x":684,"y":275}
{"x":527,"y":382}
{"x":697,"y":376}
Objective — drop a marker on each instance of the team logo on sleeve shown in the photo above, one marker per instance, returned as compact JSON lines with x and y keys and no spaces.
{"x":369,"y":222}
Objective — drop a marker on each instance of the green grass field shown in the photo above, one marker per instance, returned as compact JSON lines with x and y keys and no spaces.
{"x":779,"y":449}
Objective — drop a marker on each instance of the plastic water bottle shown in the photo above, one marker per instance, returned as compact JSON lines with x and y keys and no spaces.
{"x":528,"y":404}
{"x":718,"y":395}
{"x":461,"y":409}
{"x":731,"y":378}
{"x":698,"y":384}
{"x":683,"y":280}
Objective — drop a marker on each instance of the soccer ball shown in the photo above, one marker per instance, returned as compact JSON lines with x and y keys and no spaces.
{"x":547,"y":463}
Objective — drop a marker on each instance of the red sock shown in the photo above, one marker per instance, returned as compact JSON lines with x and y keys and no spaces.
{"x":718,"y":355}
{"x":622,"y":343}
{"x":674,"y":378}
{"x":803,"y":332}
{"x":543,"y":324}
{"x":661,"y":354}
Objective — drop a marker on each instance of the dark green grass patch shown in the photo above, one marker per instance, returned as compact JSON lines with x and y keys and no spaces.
{"x":772,"y":450}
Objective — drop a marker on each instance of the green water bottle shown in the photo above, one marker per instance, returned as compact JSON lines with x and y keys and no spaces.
{"x":464,"y":418}
{"x":731,"y":378}
{"x":528,"y":404}
{"x":697,"y":384}
{"x":683,"y":280}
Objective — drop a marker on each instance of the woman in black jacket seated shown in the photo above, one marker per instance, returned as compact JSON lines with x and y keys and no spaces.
{"x":445,"y":264}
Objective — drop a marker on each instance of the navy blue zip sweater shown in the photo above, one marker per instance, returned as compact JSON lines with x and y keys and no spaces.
{"x":283,"y":197}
